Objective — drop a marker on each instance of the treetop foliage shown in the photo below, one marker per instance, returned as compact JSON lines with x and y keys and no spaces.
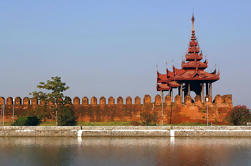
{"x":54,"y":89}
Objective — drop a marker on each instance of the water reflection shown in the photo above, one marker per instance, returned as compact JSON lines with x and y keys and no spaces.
{"x":124,"y":151}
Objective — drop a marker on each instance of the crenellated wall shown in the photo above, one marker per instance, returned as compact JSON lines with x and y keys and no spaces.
{"x":106,"y":110}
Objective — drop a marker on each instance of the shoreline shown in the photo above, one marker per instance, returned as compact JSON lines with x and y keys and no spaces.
{"x":125,"y":131}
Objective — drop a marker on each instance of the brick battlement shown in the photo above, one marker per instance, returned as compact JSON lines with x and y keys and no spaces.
{"x":104,"y":110}
{"x":225,"y":99}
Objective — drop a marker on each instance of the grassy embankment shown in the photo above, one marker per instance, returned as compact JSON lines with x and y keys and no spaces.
{"x":53,"y":123}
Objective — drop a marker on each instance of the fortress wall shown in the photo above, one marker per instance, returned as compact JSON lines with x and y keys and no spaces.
{"x":130,"y":109}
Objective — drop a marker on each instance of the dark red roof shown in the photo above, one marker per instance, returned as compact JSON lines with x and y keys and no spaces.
{"x":191,"y":69}
{"x":163,"y":87}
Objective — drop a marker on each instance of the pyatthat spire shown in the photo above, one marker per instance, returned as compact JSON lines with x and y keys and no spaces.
{"x":193,"y":23}
{"x":192,"y":72}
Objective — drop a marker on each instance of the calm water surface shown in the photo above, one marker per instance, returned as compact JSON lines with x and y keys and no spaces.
{"x":111,"y":151}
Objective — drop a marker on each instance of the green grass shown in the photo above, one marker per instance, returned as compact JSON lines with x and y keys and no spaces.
{"x":42,"y":124}
{"x":6,"y":124}
{"x":104,"y":124}
{"x":53,"y":123}
{"x":91,"y":124}
{"x":187,"y":124}
{"x":50,"y":123}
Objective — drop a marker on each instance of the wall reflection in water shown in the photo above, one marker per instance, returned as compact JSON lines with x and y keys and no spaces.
{"x":46,"y":151}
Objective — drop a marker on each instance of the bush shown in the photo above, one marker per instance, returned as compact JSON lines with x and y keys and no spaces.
{"x":148,"y":119}
{"x":66,"y":117}
{"x":27,"y":121}
{"x":239,"y":115}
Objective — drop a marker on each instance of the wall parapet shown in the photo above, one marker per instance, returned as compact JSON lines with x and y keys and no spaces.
{"x":225,"y":99}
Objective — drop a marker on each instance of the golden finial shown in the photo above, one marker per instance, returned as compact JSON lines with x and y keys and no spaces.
{"x":193,"y":22}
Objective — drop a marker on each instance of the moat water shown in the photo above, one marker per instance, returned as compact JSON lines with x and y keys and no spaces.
{"x":112,"y":151}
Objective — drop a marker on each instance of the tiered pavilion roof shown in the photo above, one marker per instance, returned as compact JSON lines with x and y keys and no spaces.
{"x":192,"y":74}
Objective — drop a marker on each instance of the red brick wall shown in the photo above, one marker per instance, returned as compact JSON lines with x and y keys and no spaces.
{"x":102,"y":110}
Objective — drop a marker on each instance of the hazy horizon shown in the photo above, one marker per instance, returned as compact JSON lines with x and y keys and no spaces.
{"x":111,"y":48}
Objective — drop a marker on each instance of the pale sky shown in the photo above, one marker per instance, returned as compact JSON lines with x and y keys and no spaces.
{"x":111,"y":48}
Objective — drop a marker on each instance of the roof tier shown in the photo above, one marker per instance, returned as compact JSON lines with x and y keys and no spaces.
{"x":163,"y":87}
{"x":193,"y":52}
{"x":194,"y":65}
{"x":187,"y":75}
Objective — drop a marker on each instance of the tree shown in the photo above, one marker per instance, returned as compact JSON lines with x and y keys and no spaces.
{"x":66,"y":117}
{"x":55,"y":87}
{"x":239,"y":115}
{"x":53,"y":90}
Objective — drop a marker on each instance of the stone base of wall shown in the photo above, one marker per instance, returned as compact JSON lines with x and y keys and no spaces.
{"x":125,"y":131}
